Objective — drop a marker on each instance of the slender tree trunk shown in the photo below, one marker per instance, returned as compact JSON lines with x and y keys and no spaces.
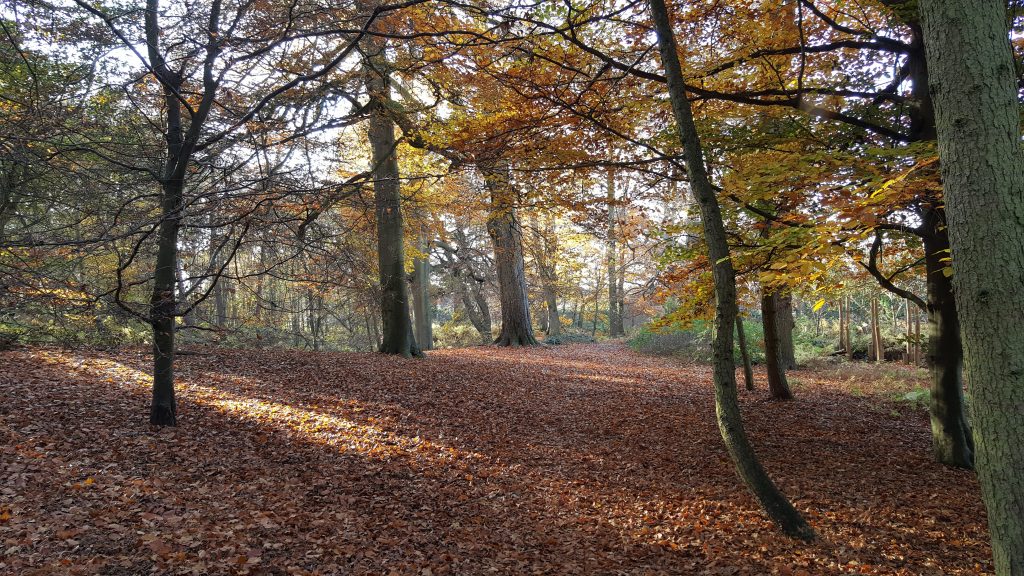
{"x":547,"y":251}
{"x":876,"y":353}
{"x":843,"y":344}
{"x":599,"y":279}
{"x":951,"y":432}
{"x":974,"y":90}
{"x":917,"y":337}
{"x":476,"y":309}
{"x":910,"y":333}
{"x":507,"y":236}
{"x":398,"y":335}
{"x":748,"y":370}
{"x":421,"y":296}
{"x":611,"y":259}
{"x":621,"y":290}
{"x":846,"y":329}
{"x":189,"y":318}
{"x":786,"y":324}
{"x":730,"y":421}
{"x":163,"y":306}
{"x":778,"y":386}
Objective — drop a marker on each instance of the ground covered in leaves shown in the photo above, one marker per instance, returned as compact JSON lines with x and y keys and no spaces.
{"x":582,"y":459}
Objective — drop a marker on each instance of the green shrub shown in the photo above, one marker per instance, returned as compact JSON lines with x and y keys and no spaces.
{"x":453,"y":334}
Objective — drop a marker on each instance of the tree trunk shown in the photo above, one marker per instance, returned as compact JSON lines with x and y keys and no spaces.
{"x":611,"y":258}
{"x":951,"y":432}
{"x":846,"y":329}
{"x":917,"y":337}
{"x":599,"y":280}
{"x":786,"y":324}
{"x":547,"y":251}
{"x":164,"y":410}
{"x":621,"y":291}
{"x":421,"y":296}
{"x":910,"y":333}
{"x":843,"y":344}
{"x":748,"y":370}
{"x":730,"y":421}
{"x":398,"y":335}
{"x":876,"y":354}
{"x":507,"y":236}
{"x":778,"y":386}
{"x":974,"y":90}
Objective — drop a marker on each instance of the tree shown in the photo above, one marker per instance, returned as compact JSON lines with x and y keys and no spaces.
{"x":612,"y":260}
{"x":421,"y":294}
{"x":209,"y":105}
{"x":974,"y":92}
{"x":775,"y":367}
{"x":730,"y":421}
{"x":398,"y":336}
{"x":507,"y":236}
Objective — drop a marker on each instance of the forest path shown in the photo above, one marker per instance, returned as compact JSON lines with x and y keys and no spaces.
{"x":576,"y":459}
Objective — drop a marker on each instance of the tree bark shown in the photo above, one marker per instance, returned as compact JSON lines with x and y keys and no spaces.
{"x":611,"y":259}
{"x":163,"y":411}
{"x":421,"y":296}
{"x":507,"y":237}
{"x":397,"y":326}
{"x":786,"y":324}
{"x":951,"y":432}
{"x":730,"y":421}
{"x":748,"y":370}
{"x":778,"y":386}
{"x":910,"y":332}
{"x":846,"y":330}
{"x":548,"y":251}
{"x":876,"y":354}
{"x":974,"y":92}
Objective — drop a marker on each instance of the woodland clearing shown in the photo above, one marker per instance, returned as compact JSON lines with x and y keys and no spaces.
{"x":575,"y":459}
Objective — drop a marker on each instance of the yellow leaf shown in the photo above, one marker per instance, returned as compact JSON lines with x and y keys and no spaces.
{"x":819,"y":304}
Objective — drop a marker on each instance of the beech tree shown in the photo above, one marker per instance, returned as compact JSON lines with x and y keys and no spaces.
{"x":974,"y":91}
{"x":397,"y":327}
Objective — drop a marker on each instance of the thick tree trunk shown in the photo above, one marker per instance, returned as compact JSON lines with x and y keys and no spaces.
{"x":507,"y":237}
{"x":748,"y":370}
{"x":778,"y":386}
{"x":730,"y":421}
{"x":974,"y":91}
{"x":786,"y":324}
{"x":397,"y":326}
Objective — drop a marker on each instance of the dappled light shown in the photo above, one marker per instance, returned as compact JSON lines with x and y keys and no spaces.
{"x":518,"y":473}
{"x":488,"y":287}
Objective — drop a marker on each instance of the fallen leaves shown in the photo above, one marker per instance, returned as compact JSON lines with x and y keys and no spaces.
{"x":570,"y":460}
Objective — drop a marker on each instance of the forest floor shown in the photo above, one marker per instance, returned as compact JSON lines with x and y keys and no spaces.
{"x":579,"y":459}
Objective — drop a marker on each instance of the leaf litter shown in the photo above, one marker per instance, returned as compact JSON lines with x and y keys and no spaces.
{"x":578,"y":459}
